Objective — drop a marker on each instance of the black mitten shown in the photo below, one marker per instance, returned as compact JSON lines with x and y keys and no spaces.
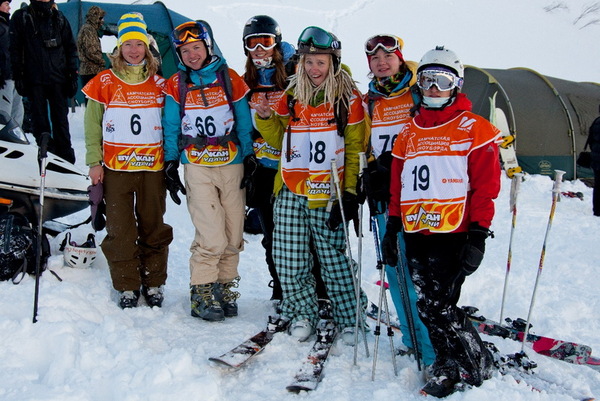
{"x":173,"y":181}
{"x":250,"y":166}
{"x":389,"y":244}
{"x":472,"y":252}
{"x":350,"y":204}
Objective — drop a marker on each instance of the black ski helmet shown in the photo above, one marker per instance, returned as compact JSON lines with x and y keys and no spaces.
{"x":261,"y":24}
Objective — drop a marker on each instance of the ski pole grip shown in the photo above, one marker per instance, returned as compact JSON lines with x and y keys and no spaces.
{"x":334,"y":172}
{"x":43,"y":151}
{"x":558,"y":174}
{"x":362,"y":162}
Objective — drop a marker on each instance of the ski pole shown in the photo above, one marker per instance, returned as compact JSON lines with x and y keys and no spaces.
{"x":514,"y":191}
{"x":338,"y":190}
{"x":382,"y":298}
{"x":555,"y":195}
{"x":42,"y":156}
{"x":362,"y":163}
{"x":410,"y":321}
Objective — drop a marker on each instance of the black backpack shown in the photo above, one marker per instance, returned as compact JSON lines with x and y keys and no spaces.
{"x":18,"y":243}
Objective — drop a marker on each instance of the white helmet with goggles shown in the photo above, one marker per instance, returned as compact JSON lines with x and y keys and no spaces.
{"x":444,"y":58}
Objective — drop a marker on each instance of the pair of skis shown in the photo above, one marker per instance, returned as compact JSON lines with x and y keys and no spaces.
{"x":309,"y":375}
{"x":566,"y":351}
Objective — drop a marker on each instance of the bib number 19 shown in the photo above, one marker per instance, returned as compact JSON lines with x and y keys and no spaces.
{"x":420,"y":178}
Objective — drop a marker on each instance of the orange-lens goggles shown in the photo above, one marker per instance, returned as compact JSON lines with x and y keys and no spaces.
{"x":187,"y":31}
{"x":267,"y":42}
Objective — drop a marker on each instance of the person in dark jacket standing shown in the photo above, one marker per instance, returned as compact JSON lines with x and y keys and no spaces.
{"x":595,"y":148}
{"x":44,"y":63}
{"x":10,"y":100}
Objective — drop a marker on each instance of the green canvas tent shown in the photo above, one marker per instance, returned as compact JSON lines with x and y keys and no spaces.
{"x":158,"y":17}
{"x":550,"y":117}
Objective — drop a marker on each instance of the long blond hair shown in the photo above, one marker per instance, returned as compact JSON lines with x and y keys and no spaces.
{"x":119,"y":64}
{"x":337,"y":87}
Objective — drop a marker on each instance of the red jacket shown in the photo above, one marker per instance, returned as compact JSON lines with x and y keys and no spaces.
{"x":483,"y":169}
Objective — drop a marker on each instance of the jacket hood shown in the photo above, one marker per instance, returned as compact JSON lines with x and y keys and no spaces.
{"x":94,"y":15}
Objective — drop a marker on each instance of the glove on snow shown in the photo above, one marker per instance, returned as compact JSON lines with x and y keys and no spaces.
{"x":173,"y":181}
{"x":472,"y":252}
{"x":350,"y":204}
{"x":389,"y":245}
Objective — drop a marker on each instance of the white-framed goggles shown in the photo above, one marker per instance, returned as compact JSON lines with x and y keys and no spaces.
{"x":265,"y":40}
{"x":443,"y":79}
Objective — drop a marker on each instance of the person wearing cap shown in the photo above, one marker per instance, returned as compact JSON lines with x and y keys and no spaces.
{"x":208,"y":128}
{"x":389,"y":101}
{"x":43,"y":55}
{"x":444,"y":179}
{"x":319,"y":118}
{"x":91,"y":61}
{"x":124,"y":150}
{"x":10,"y":100}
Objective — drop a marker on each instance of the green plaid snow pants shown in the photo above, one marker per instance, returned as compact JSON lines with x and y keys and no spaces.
{"x":295,"y":226}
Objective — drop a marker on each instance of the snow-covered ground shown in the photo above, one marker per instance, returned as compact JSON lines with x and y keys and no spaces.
{"x":84,"y":347}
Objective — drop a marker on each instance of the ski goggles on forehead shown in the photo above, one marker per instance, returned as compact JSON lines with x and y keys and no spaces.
{"x":444,"y":80}
{"x":387,"y":43}
{"x":189,"y":31}
{"x":317,"y":36}
{"x":266,"y":41}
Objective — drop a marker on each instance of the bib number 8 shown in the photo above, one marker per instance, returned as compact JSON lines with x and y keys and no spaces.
{"x":318,"y":152}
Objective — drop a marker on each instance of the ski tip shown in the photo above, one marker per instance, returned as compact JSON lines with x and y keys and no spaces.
{"x":297,"y":388}
{"x":221,"y":362}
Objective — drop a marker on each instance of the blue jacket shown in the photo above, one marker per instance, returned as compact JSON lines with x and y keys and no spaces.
{"x":172,"y":120}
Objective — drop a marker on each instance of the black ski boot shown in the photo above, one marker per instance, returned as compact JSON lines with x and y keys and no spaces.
{"x":203,"y":303}
{"x":153,"y":295}
{"x":129,"y":299}
{"x":442,"y":379}
{"x":227,"y":297}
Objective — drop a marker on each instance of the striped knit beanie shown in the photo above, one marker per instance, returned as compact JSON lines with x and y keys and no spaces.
{"x":131,"y":26}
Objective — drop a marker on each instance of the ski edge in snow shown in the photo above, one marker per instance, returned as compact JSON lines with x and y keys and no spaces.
{"x":241,"y":354}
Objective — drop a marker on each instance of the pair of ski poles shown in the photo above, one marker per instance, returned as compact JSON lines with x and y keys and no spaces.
{"x":400,"y":276}
{"x":516,"y":180}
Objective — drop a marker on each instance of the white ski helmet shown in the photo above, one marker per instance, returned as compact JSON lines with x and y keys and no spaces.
{"x":442,"y":57}
{"x":79,"y":255}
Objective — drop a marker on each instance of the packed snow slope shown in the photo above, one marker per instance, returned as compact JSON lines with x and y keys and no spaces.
{"x":84,"y":347}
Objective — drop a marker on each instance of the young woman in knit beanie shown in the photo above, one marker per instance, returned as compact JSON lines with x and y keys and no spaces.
{"x":124,"y":143}
{"x":308,"y":126}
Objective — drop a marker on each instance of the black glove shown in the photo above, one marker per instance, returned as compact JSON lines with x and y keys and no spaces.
{"x":173,"y":181}
{"x":350,"y":205}
{"x":72,"y":84}
{"x":472,"y":252}
{"x":250,"y":166}
{"x":2,"y":81}
{"x":389,"y":245}
{"x":379,"y":178}
{"x":22,"y":87}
